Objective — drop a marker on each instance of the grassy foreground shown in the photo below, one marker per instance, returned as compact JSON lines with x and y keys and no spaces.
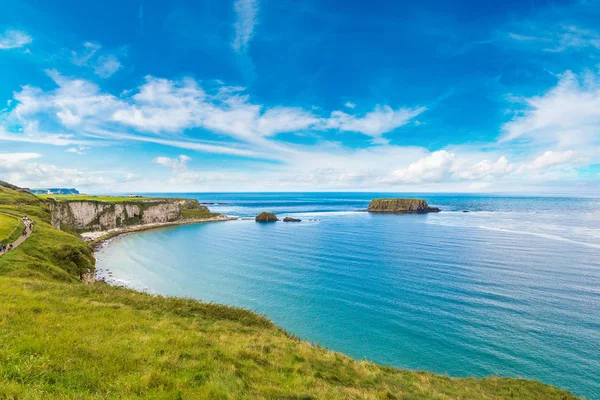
{"x":79,"y":341}
{"x":62,"y":339}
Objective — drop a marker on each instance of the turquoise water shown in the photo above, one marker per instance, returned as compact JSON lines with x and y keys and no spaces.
{"x":511,"y":288}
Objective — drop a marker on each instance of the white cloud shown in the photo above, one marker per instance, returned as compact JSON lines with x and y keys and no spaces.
{"x":180,"y":174}
{"x":284,"y":119}
{"x":246,"y":18}
{"x":568,"y":114}
{"x":83,"y":57}
{"x":106,"y":66}
{"x":445,"y":166}
{"x":12,"y":158}
{"x":81,"y":150}
{"x":560,"y":38}
{"x":435,"y":167}
{"x":553,"y":158}
{"x":31,"y":134}
{"x":484,"y":169}
{"x":350,"y":104}
{"x":13,"y":39}
{"x":375,"y":123}
{"x":178,"y":112}
{"x":22,"y":170}
{"x":179,"y":163}
{"x":103,"y":65}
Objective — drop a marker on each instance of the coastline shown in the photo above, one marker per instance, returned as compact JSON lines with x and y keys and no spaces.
{"x":96,"y":238}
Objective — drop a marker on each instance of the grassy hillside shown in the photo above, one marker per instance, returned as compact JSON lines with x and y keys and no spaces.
{"x":11,"y":228}
{"x":48,"y":253}
{"x":62,"y":339}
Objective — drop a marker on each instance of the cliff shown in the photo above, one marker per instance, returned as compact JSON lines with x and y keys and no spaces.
{"x":92,"y":215}
{"x":401,"y":206}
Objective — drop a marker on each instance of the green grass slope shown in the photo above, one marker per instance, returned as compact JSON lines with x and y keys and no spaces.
{"x":11,"y":228}
{"x":62,"y":339}
{"x":74,"y":341}
{"x":48,"y":253}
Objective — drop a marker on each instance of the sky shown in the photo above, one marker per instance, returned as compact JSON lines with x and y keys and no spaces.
{"x":265,"y":95}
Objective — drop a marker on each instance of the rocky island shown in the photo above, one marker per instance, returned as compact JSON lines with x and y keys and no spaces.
{"x":400,"y":206}
{"x":266,"y":217}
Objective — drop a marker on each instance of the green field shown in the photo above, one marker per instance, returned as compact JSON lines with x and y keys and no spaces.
{"x":85,"y":197}
{"x":11,"y":228}
{"x":62,"y":339}
{"x":197,"y":214}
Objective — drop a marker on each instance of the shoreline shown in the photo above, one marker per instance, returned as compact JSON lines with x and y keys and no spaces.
{"x":96,"y":238}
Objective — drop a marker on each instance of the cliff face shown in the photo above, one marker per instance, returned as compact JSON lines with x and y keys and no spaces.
{"x":86,"y":215}
{"x":401,"y":206}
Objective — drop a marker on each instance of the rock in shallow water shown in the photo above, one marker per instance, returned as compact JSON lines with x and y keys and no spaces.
{"x":290,"y":219}
{"x":266,"y":217}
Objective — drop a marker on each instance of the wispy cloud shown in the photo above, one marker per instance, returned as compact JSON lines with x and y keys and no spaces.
{"x":27,"y":171}
{"x":375,"y":123}
{"x":178,"y":163}
{"x":246,"y":12}
{"x":164,"y":107}
{"x":103,"y":65}
{"x":567,"y":115}
{"x":559,"y":39}
{"x":13,"y":39}
{"x":81,"y":150}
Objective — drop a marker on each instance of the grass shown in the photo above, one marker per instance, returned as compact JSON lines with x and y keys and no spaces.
{"x":85,"y":197}
{"x":48,"y":253}
{"x":10,"y":228}
{"x":74,"y":341}
{"x":62,"y":339}
{"x":198,"y":214}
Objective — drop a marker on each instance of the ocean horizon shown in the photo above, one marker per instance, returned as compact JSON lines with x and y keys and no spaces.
{"x":511,"y":287}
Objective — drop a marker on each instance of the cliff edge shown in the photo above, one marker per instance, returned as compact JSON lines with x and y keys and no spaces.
{"x":97,"y":215}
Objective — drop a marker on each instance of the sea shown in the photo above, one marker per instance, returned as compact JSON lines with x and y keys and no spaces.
{"x":491,"y":285}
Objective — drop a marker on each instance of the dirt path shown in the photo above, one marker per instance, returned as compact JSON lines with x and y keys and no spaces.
{"x":29,"y":229}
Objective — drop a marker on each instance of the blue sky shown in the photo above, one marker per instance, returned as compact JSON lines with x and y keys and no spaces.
{"x":262,"y":95}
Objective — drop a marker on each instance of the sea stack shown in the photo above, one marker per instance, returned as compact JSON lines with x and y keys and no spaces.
{"x":290,"y":219}
{"x":266,"y":217}
{"x":400,"y":206}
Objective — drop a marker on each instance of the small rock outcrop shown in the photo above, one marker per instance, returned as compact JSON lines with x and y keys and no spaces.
{"x":290,"y":219}
{"x":266,"y":217}
{"x":400,"y":206}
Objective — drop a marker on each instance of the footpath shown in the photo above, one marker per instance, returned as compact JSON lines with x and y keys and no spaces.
{"x":27,"y":230}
